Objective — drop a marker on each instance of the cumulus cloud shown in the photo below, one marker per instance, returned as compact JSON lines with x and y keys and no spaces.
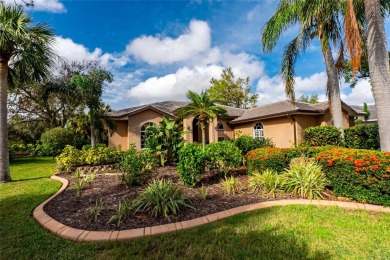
{"x":360,"y":94}
{"x":53,"y":6}
{"x":166,"y":50}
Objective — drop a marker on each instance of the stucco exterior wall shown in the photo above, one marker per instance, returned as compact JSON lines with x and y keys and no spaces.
{"x":326,"y":119}
{"x":229,"y":131}
{"x":303,"y":122}
{"x":135,"y":123}
{"x":280,"y":130}
{"x":119,"y":136}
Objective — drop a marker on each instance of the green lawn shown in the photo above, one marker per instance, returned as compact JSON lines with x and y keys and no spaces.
{"x":291,"y":232}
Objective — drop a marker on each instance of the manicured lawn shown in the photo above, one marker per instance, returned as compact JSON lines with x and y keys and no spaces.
{"x":291,"y":232}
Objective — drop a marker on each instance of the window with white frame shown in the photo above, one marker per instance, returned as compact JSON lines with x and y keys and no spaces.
{"x":221,"y":132}
{"x":143,"y":134}
{"x":258,"y":130}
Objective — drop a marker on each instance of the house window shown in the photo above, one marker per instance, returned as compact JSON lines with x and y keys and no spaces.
{"x":220,"y":131}
{"x":258,"y":130}
{"x":143,"y":133}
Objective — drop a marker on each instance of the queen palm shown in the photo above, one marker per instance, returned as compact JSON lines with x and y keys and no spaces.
{"x":202,"y":107}
{"x":25,"y":52}
{"x":316,"y":19}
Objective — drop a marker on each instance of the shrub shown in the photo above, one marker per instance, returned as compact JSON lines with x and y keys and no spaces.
{"x":276,"y":159}
{"x":363,"y":136}
{"x":322,"y":135}
{"x":102,"y":155}
{"x":268,"y":181}
{"x":53,"y":141}
{"x":306,"y":180}
{"x":230,"y":185}
{"x":70,"y":157}
{"x":247,"y":143}
{"x":161,"y":198}
{"x":192,"y":162}
{"x":362,"y":175}
{"x":223,"y":156}
{"x":136,"y":166}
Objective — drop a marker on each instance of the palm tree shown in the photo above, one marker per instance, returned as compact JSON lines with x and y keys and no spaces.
{"x":25,"y":52}
{"x":91,"y":89}
{"x":203,"y":107}
{"x":379,"y":68}
{"x":316,"y":19}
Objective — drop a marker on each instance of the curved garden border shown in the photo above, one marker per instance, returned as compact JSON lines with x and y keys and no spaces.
{"x":80,"y":235}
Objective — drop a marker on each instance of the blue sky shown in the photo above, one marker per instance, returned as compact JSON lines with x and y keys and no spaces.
{"x":158,"y":50}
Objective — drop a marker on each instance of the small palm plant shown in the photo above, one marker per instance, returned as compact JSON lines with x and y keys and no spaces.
{"x":268,"y":181}
{"x":306,"y":180}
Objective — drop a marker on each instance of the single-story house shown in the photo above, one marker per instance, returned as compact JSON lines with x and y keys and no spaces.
{"x":283,"y":122}
{"x":362,"y":116}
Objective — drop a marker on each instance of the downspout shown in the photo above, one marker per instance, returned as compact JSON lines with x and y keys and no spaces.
{"x":295,"y":128}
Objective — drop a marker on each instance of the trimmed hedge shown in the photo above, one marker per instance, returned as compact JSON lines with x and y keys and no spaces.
{"x":276,"y":159}
{"x":362,"y":175}
{"x":192,"y":163}
{"x":322,"y":135}
{"x":363,"y":136}
{"x":247,"y":143}
{"x":223,"y":156}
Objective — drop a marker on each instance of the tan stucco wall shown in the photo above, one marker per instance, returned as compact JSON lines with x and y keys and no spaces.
{"x":326,"y":119}
{"x":229,"y":132}
{"x":119,"y":136}
{"x":303,"y":122}
{"x":280,"y":130}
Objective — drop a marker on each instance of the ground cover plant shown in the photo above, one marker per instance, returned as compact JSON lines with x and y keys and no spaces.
{"x":295,"y":232}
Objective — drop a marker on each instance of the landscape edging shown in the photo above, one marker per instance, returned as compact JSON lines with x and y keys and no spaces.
{"x":80,"y":235}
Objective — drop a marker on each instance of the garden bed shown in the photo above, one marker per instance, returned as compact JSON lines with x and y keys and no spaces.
{"x":72,"y":211}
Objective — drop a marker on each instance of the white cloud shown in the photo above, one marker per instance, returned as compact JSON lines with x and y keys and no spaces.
{"x":360,"y":94}
{"x":53,"y":6}
{"x":157,"y":50}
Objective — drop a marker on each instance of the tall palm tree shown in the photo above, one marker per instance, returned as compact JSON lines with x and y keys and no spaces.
{"x":91,"y":89}
{"x":316,"y":19}
{"x":202,"y":107}
{"x":25,"y":52}
{"x":379,"y":68}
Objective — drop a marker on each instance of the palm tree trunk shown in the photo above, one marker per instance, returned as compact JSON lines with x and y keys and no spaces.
{"x":93,"y":137}
{"x":334,"y":89}
{"x":202,"y":127}
{"x":379,"y":69}
{"x":4,"y":156}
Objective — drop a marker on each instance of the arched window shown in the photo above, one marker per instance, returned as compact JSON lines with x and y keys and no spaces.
{"x":221,"y":132}
{"x":143,"y":133}
{"x":258,"y":130}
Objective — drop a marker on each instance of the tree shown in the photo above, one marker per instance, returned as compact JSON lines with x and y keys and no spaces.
{"x":316,"y":19}
{"x":232,"y":92}
{"x":309,"y":99}
{"x":25,"y":51}
{"x":365,"y":109}
{"x":379,"y":68}
{"x":91,"y":88}
{"x":203,"y":107}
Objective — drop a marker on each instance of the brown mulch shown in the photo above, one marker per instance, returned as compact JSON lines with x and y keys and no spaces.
{"x":72,"y":211}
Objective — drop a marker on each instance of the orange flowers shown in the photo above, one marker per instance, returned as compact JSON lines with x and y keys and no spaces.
{"x":330,"y":163}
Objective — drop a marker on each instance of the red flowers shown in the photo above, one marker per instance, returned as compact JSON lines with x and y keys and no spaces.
{"x":155,"y":154}
{"x":330,"y":163}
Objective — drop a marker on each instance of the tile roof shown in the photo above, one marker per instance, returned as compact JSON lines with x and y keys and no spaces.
{"x":371,"y":109}
{"x":232,"y":111}
{"x":167,"y":107}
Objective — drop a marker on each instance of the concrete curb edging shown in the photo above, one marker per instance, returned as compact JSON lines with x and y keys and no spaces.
{"x":80,"y":235}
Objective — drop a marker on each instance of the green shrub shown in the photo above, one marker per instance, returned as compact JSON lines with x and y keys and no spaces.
{"x":322,"y":135}
{"x":161,"y":198}
{"x":223,"y":156}
{"x":70,"y":157}
{"x":247,"y":143}
{"x":306,"y":180}
{"x":102,"y":155}
{"x":363,"y":136}
{"x":136,"y":166}
{"x":53,"y":141}
{"x":362,"y":175}
{"x":276,"y":159}
{"x":268,"y":181}
{"x":230,"y":185}
{"x":192,"y":162}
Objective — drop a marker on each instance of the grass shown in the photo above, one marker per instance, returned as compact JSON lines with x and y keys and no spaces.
{"x":291,"y":232}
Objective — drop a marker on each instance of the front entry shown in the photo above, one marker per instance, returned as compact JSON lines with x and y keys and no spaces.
{"x":197,"y":132}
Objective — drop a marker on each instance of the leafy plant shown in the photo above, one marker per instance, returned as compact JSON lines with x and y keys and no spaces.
{"x":136,"y":167}
{"x":230,"y":185}
{"x":223,"y":156}
{"x":161,"y":198}
{"x":306,"y":180}
{"x":95,"y":212}
{"x":268,"y":181}
{"x":89,"y":178}
{"x":69,"y":157}
{"x":124,"y":210}
{"x":276,"y":159}
{"x":363,"y":136}
{"x":53,"y":141}
{"x":203,"y":192}
{"x":79,"y":185}
{"x":247,"y":143}
{"x":322,"y":135}
{"x":192,"y":162}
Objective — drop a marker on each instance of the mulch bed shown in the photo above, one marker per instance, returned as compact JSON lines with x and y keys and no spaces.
{"x":72,"y":211}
